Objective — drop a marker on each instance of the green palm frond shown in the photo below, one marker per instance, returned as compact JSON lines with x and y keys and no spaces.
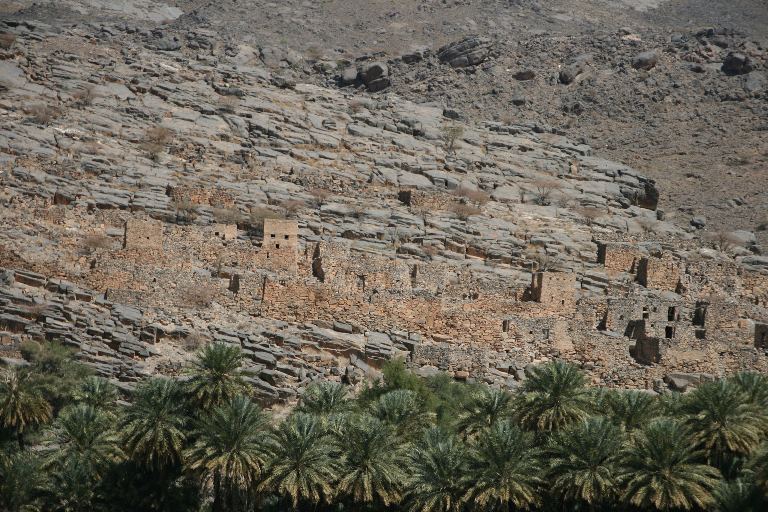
{"x":153,"y":426}
{"x":84,"y":436}
{"x":723,"y":420}
{"x":438,"y":481}
{"x":22,"y":406}
{"x":662,"y":470}
{"x":216,"y":376}
{"x":229,"y":455}
{"x":554,"y":396}
{"x":325,"y":398}
{"x":583,"y":461}
{"x":404,"y":411}
{"x":504,"y":469}
{"x":302,"y":464}
{"x":483,"y":409}
{"x":372,"y":462}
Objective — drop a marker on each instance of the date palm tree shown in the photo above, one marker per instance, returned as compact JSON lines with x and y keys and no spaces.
{"x":229,"y":456}
{"x":153,"y":426}
{"x":504,"y":469}
{"x":755,"y":385}
{"x":97,"y":392}
{"x":216,"y":376}
{"x":22,"y":481}
{"x":631,"y":409}
{"x":583,"y":462}
{"x":302,"y":463}
{"x":483,"y":409}
{"x":662,"y":470}
{"x":404,"y":411}
{"x":22,"y":405}
{"x":372,"y":462}
{"x":84,"y":436}
{"x":325,"y":398}
{"x":438,"y":481}
{"x":723,"y":421}
{"x":554,"y":396}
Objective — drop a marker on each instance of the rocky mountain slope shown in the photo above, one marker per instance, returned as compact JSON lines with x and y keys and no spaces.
{"x":150,"y":176}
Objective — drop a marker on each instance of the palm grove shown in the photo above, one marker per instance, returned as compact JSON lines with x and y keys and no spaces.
{"x":70,"y":442}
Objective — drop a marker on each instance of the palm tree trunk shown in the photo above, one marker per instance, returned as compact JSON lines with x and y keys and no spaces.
{"x":216,"y":493}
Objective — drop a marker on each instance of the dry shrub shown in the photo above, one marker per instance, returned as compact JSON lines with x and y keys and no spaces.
{"x":196,"y":295}
{"x":320,"y":195}
{"x":194,"y":342}
{"x":155,"y":140}
{"x":35,"y":311}
{"x":256,"y":216}
{"x":6,"y":40}
{"x":158,"y":134}
{"x":357,"y":106}
{"x":229,"y":104}
{"x":464,"y":211}
{"x":450,"y":134}
{"x":84,"y":97}
{"x":227,"y":215}
{"x":475,"y":196}
{"x":544,"y":190}
{"x":96,"y":241}
{"x":724,"y":241}
{"x":186,"y":210}
{"x":647,"y":225}
{"x":292,"y":206}
{"x":590,"y":214}
{"x":43,"y":114}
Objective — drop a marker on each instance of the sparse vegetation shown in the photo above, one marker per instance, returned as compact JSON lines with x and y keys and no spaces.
{"x":43,"y":114}
{"x":155,"y":140}
{"x":227,"y":215}
{"x":473,"y":195}
{"x":724,"y":241}
{"x":544,"y":190}
{"x":451,"y":134}
{"x":6,"y":40}
{"x":464,"y":211}
{"x":186,"y":210}
{"x":96,"y":241}
{"x":197,"y":295}
{"x":590,"y":214}
{"x":85,"y":96}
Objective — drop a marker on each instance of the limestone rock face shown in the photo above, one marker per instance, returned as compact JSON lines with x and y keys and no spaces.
{"x":470,"y":51}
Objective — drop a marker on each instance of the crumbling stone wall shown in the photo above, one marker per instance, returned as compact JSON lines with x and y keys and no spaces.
{"x":618,"y":257}
{"x":145,"y":235}
{"x":659,"y":273}
{"x":200,"y":195}
{"x":554,"y":290}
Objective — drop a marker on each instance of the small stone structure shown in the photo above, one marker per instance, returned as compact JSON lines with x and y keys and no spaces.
{"x":143,"y":235}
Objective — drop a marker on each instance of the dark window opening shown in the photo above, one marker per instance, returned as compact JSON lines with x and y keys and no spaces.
{"x":701,"y":334}
{"x":277,"y":246}
{"x":669,"y":332}
{"x":272,"y":235}
{"x":563,"y":302}
{"x":672,"y":314}
{"x":505,"y":324}
{"x":546,"y":334}
{"x":286,"y":237}
{"x":646,"y":314}
{"x":700,"y":315}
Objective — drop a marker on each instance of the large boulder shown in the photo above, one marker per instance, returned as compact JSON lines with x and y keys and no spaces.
{"x":375,"y":76}
{"x":736,"y":63}
{"x":645,"y":60}
{"x":470,"y":51}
